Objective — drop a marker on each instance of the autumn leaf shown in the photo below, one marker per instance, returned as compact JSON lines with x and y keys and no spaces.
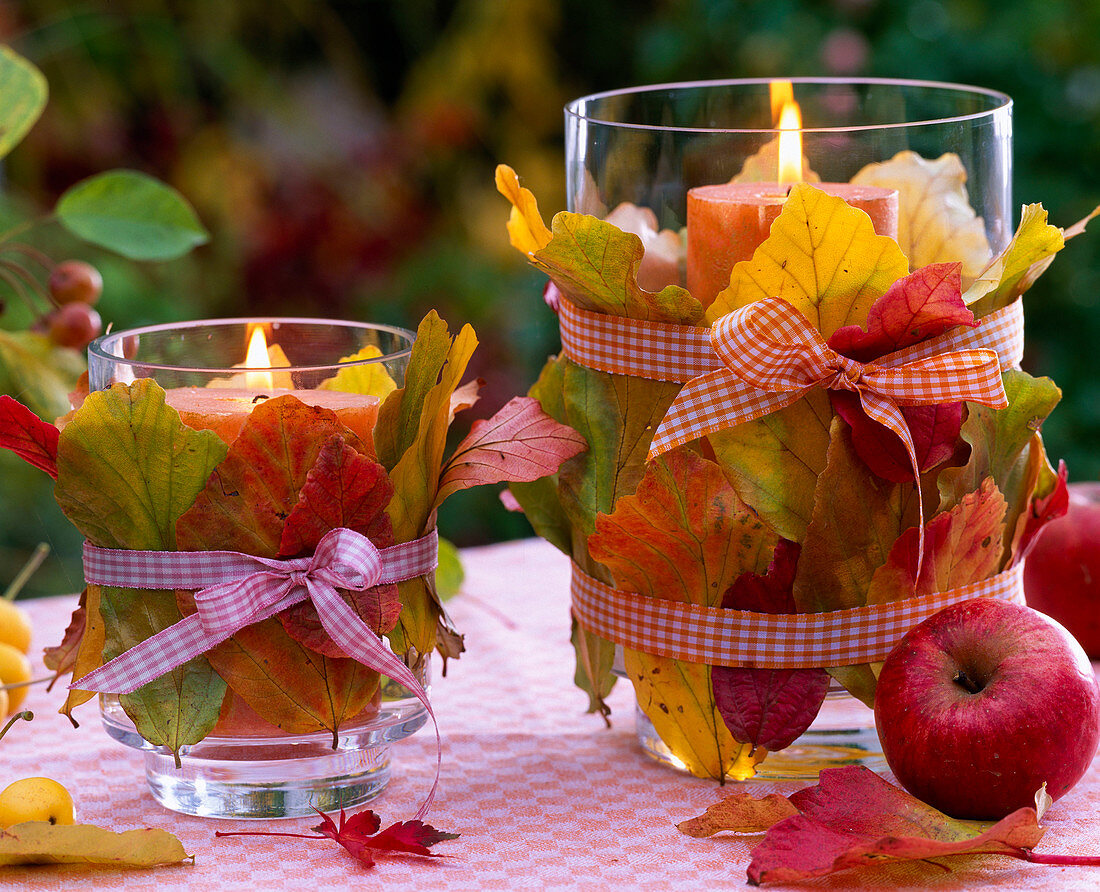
{"x":823,"y":257}
{"x":739,"y":813}
{"x":526,"y":229}
{"x":856,"y":518}
{"x":358,"y":375}
{"x":89,"y":652}
{"x":61,"y":658}
{"x":343,"y":489}
{"x":684,"y":535}
{"x":768,"y":708}
{"x":128,"y":468}
{"x":935,"y":220}
{"x":28,"y":436}
{"x":774,"y":462}
{"x":38,"y":372}
{"x":361,"y":838}
{"x":1013,"y":271}
{"x":961,"y":546}
{"x":854,"y":818}
{"x":520,"y":442}
{"x":922,"y":305}
{"x":411,"y":439}
{"x":42,"y":842}
{"x":244,"y":507}
{"x":1040,"y":511}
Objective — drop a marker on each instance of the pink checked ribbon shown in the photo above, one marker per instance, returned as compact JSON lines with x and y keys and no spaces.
{"x":236,"y":590}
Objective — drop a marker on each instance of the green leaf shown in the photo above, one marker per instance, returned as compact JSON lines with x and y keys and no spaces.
{"x":132,"y":214}
{"x":38,"y":373}
{"x":773,"y":462}
{"x":128,"y":468}
{"x":595,"y":264}
{"x":25,"y":92}
{"x":450,"y":574}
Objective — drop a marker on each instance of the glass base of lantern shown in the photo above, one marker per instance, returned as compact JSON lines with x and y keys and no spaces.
{"x":284,"y":776}
{"x":842,"y":734}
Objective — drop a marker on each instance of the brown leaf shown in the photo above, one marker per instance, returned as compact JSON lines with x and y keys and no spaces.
{"x":739,"y":813}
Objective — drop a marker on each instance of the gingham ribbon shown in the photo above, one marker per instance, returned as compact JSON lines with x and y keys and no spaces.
{"x":772,"y":355}
{"x":662,"y":351}
{"x":725,"y":637}
{"x":237,"y":590}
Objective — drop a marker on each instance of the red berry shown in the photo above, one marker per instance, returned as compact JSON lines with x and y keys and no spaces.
{"x":74,"y":281}
{"x":74,"y":325}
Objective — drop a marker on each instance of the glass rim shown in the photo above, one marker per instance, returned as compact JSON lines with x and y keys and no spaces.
{"x":97,"y":347}
{"x":1003,"y":103}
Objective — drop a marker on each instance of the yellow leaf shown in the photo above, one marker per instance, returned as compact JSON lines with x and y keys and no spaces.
{"x":823,"y":257}
{"x":936,"y":223}
{"x":1018,"y":266}
{"x":370,"y":378}
{"x":89,"y":655}
{"x":526,"y":229}
{"x":40,"y":842}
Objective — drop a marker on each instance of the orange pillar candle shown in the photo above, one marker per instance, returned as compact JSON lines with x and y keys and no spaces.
{"x":727,"y":222}
{"x":224,"y":410}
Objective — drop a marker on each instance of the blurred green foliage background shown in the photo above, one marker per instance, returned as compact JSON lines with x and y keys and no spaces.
{"x":341,"y":154}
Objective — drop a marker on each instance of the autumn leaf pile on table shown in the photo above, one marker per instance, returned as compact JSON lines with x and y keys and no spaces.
{"x":854,"y":818}
{"x":810,"y":508}
{"x":131,"y":475}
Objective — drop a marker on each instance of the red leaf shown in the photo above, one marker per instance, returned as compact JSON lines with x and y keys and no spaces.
{"x":934,"y":429}
{"x":768,"y":708}
{"x":360,"y":837}
{"x":1040,"y":512}
{"x":922,"y":305}
{"x":28,"y":436}
{"x":62,"y":658}
{"x":852,"y":817}
{"x":520,"y":443}
{"x":344,"y":488}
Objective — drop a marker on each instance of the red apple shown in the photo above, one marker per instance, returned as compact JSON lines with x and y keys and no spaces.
{"x":1062,"y":572}
{"x":983,"y":703}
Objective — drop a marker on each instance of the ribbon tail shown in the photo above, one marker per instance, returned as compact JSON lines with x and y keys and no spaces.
{"x":150,"y":659}
{"x":361,"y":643}
{"x":886,"y":413}
{"x":713,"y":402}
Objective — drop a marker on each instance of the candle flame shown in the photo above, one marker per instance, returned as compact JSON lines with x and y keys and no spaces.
{"x":780,"y":93}
{"x":790,"y":143}
{"x":257,"y":358}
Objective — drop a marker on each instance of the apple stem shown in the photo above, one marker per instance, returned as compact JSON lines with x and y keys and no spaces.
{"x":25,"y":715}
{"x":966,"y":682}
{"x":32,"y":564}
{"x":1081,"y":860}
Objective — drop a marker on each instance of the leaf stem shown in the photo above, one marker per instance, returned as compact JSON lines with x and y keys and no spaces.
{"x":32,"y":564}
{"x":1069,"y":860}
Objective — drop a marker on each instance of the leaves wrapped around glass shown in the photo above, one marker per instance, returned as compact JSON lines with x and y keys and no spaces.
{"x":813,"y":507}
{"x":267,"y":463}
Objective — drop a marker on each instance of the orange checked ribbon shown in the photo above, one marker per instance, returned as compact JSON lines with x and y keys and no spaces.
{"x":771,"y":355}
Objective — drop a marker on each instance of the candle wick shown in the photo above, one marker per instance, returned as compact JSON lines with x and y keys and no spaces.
{"x":260,"y":396}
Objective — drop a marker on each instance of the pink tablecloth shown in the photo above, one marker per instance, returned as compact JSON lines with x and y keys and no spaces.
{"x":543,"y":795}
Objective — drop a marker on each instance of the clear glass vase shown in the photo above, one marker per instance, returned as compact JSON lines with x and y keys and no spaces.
{"x":248,"y":767}
{"x":633,"y":156}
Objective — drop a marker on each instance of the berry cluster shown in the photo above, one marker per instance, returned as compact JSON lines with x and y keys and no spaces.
{"x":73,"y":287}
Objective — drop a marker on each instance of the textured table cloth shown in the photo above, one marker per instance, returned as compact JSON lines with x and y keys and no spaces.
{"x":543,"y":795}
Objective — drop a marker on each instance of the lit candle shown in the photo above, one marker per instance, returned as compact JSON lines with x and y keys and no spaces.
{"x":727,"y":222}
{"x":224,"y":409}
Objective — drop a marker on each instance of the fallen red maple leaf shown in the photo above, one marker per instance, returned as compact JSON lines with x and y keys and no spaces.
{"x":360,"y":836}
{"x":852,"y":817}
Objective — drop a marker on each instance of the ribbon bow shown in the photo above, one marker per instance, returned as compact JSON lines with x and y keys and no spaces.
{"x":772,"y":355}
{"x":237,"y":590}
